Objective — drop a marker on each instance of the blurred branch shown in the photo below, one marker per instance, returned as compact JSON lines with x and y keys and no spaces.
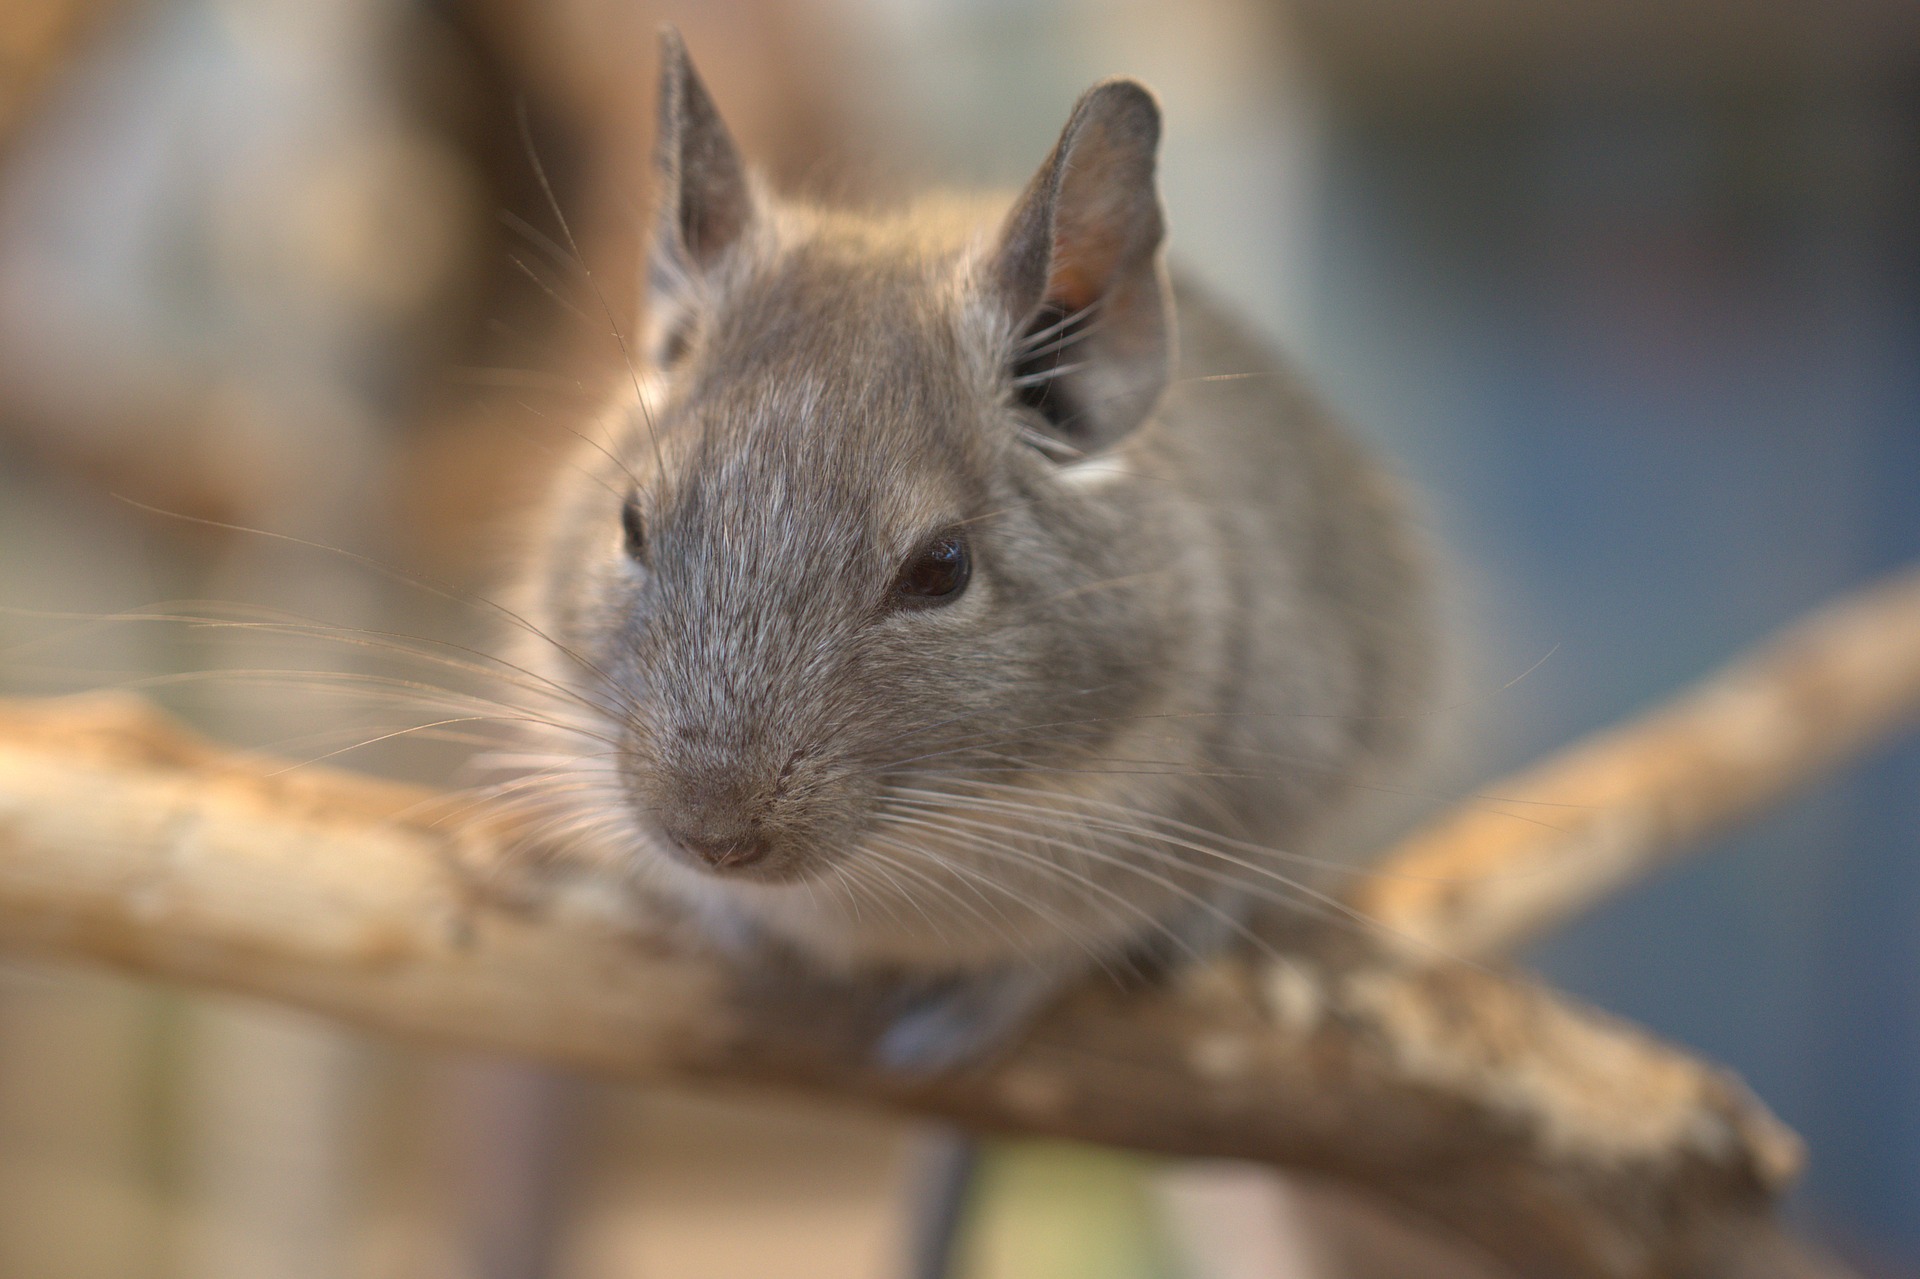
{"x":1550,"y":842}
{"x":1557,"y":1139}
{"x":37,"y":38}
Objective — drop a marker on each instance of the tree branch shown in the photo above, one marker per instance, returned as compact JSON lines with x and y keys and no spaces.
{"x":1491,"y":875}
{"x":1559,"y":1140}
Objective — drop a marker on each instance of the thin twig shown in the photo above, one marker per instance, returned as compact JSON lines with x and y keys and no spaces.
{"x":1625,"y":801}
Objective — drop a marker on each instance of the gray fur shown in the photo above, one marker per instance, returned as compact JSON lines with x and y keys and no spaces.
{"x":1191,"y":629}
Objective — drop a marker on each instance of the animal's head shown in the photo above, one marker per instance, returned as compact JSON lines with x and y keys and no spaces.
{"x":877,"y":521}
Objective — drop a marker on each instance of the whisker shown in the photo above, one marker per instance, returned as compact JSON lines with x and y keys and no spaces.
{"x":539,"y":239}
{"x":427,"y":585}
{"x":1063,"y":323}
{"x":1048,"y":375}
{"x":1157,"y":845}
{"x":1118,"y":863}
{"x":566,"y":229}
{"x":974,"y":880}
{"x":1102,"y":958}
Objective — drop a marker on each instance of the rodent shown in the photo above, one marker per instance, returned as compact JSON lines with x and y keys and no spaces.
{"x":928,"y":606}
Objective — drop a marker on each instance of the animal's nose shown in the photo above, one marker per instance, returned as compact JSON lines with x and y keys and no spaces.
{"x":722,"y":852}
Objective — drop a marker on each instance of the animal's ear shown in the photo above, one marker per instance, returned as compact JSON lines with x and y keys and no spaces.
{"x":1078,"y":273}
{"x":703,"y":202}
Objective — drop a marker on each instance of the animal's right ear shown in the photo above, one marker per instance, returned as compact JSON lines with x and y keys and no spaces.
{"x":703,"y":202}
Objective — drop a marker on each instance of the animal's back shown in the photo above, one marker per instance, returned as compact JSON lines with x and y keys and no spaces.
{"x":1325,"y":635}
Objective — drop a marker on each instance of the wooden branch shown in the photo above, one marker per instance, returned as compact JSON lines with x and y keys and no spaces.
{"x":1557,"y":1139}
{"x":1495,"y":873}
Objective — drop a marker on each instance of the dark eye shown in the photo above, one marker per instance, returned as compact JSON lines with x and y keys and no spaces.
{"x":635,"y":529}
{"x":937,"y":573}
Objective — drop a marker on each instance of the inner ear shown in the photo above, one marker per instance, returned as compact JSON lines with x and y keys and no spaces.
{"x":1042,"y":362}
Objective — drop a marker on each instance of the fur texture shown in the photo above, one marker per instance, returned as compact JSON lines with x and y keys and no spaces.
{"x":1193,"y":622}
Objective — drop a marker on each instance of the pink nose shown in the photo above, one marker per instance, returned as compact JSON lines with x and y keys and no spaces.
{"x":724,"y":852}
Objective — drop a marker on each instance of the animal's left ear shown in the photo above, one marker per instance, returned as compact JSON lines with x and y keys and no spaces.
{"x":1078,"y":272}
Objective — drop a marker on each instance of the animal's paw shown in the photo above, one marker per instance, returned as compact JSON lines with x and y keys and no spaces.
{"x":950,"y":1022}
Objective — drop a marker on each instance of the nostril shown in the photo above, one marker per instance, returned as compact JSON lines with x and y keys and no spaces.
{"x":740,"y":854}
{"x":732,"y":852}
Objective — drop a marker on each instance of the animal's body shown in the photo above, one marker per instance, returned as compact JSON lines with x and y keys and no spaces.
{"x":932,"y":607}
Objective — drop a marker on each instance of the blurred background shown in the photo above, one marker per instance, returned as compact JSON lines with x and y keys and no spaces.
{"x":1630,"y":292}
